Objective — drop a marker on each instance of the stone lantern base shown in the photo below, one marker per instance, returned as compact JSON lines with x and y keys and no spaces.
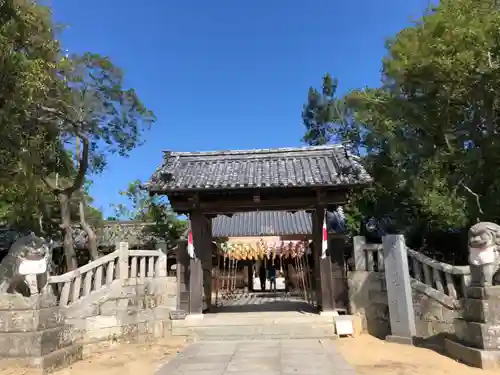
{"x":478,"y":331}
{"x":33,"y":333}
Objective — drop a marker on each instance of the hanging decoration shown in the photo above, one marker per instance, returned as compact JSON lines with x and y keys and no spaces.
{"x":264,"y":250}
{"x":230,"y":275}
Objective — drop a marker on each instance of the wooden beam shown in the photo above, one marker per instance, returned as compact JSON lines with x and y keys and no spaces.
{"x":232,"y":205}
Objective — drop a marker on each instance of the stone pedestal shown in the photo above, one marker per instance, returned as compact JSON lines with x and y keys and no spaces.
{"x":478,"y":331}
{"x":33,"y":333}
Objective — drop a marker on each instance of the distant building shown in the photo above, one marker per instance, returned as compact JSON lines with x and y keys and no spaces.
{"x":273,"y":226}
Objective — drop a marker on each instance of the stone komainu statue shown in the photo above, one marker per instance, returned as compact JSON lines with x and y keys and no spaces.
{"x":484,"y":254}
{"x":25,"y":269}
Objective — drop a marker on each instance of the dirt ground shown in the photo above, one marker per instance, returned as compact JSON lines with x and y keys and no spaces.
{"x":119,"y":359}
{"x":371,"y":356}
{"x":367,"y":354}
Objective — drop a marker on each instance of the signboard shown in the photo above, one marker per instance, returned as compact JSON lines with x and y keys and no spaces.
{"x":33,"y":267}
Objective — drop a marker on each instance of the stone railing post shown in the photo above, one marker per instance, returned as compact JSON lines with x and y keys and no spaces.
{"x":161,"y":266}
{"x":359,"y":243}
{"x":162,"y":246}
{"x":123,"y":256}
{"x":399,"y":295}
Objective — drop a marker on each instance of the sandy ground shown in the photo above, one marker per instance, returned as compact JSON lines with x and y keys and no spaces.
{"x":119,"y":359}
{"x":371,"y":356}
{"x":367,"y":354}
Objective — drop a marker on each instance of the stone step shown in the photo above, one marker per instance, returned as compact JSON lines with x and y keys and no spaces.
{"x":248,"y":320}
{"x":256,"y":332}
{"x":259,"y":326}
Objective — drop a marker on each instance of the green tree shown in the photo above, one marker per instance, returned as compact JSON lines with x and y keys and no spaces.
{"x":28,"y":54}
{"x":28,"y":58}
{"x":93,"y":108}
{"x":60,"y":116}
{"x":165,"y":224}
{"x":429,"y":135}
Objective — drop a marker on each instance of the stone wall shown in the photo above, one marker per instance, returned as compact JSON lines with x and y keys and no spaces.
{"x":477,"y":338}
{"x":433,"y":317}
{"x":123,"y":296}
{"x":134,"y":311}
{"x":33,"y":333}
{"x":368,"y":298}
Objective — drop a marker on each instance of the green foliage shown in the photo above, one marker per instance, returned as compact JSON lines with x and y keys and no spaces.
{"x":28,"y":54}
{"x":319,"y":111}
{"x":430,"y":134}
{"x":164,"y":222}
{"x":93,"y":105}
{"x":61,"y":116}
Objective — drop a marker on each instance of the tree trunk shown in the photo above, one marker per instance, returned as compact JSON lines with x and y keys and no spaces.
{"x":64,"y":196}
{"x":91,"y":237}
{"x":68,"y":245}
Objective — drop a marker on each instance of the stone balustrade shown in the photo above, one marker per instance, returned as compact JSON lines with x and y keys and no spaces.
{"x":125,"y":295}
{"x":121,"y":265}
{"x":444,"y":282}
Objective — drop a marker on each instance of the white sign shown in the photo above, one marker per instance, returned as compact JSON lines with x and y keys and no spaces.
{"x":33,"y":267}
{"x":343,"y":325}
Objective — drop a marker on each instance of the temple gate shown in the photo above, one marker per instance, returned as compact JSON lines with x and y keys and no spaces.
{"x":203,"y":185}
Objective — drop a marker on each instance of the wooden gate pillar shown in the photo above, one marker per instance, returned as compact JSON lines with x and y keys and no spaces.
{"x":246,"y":276}
{"x":201,"y":265}
{"x":207,"y":262}
{"x":336,"y":245}
{"x":183,"y":289}
{"x":322,"y":264}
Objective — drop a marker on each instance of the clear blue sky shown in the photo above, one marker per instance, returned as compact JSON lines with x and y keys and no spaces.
{"x":228,"y":74}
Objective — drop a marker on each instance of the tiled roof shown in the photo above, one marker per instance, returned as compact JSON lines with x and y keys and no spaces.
{"x":262,"y":223}
{"x":270,"y":223}
{"x":296,"y":167}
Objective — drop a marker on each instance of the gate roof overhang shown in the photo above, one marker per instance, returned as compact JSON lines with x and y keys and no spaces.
{"x":282,"y":179}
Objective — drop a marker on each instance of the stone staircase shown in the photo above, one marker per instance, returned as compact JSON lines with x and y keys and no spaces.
{"x":256,"y":326}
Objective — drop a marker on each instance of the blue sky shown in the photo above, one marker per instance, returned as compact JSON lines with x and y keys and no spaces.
{"x":228,"y":74}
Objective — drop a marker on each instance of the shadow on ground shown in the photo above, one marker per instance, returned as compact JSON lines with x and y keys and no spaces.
{"x":434,"y":343}
{"x":264,"y":302}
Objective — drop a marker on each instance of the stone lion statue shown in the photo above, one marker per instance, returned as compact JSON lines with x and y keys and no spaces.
{"x":484,"y":254}
{"x":25,"y":268}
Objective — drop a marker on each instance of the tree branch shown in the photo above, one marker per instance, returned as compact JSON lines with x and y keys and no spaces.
{"x":83,"y":162}
{"x":478,"y":202}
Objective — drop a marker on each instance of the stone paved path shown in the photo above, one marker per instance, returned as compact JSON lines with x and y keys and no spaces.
{"x":264,"y":301}
{"x":269,"y":357}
